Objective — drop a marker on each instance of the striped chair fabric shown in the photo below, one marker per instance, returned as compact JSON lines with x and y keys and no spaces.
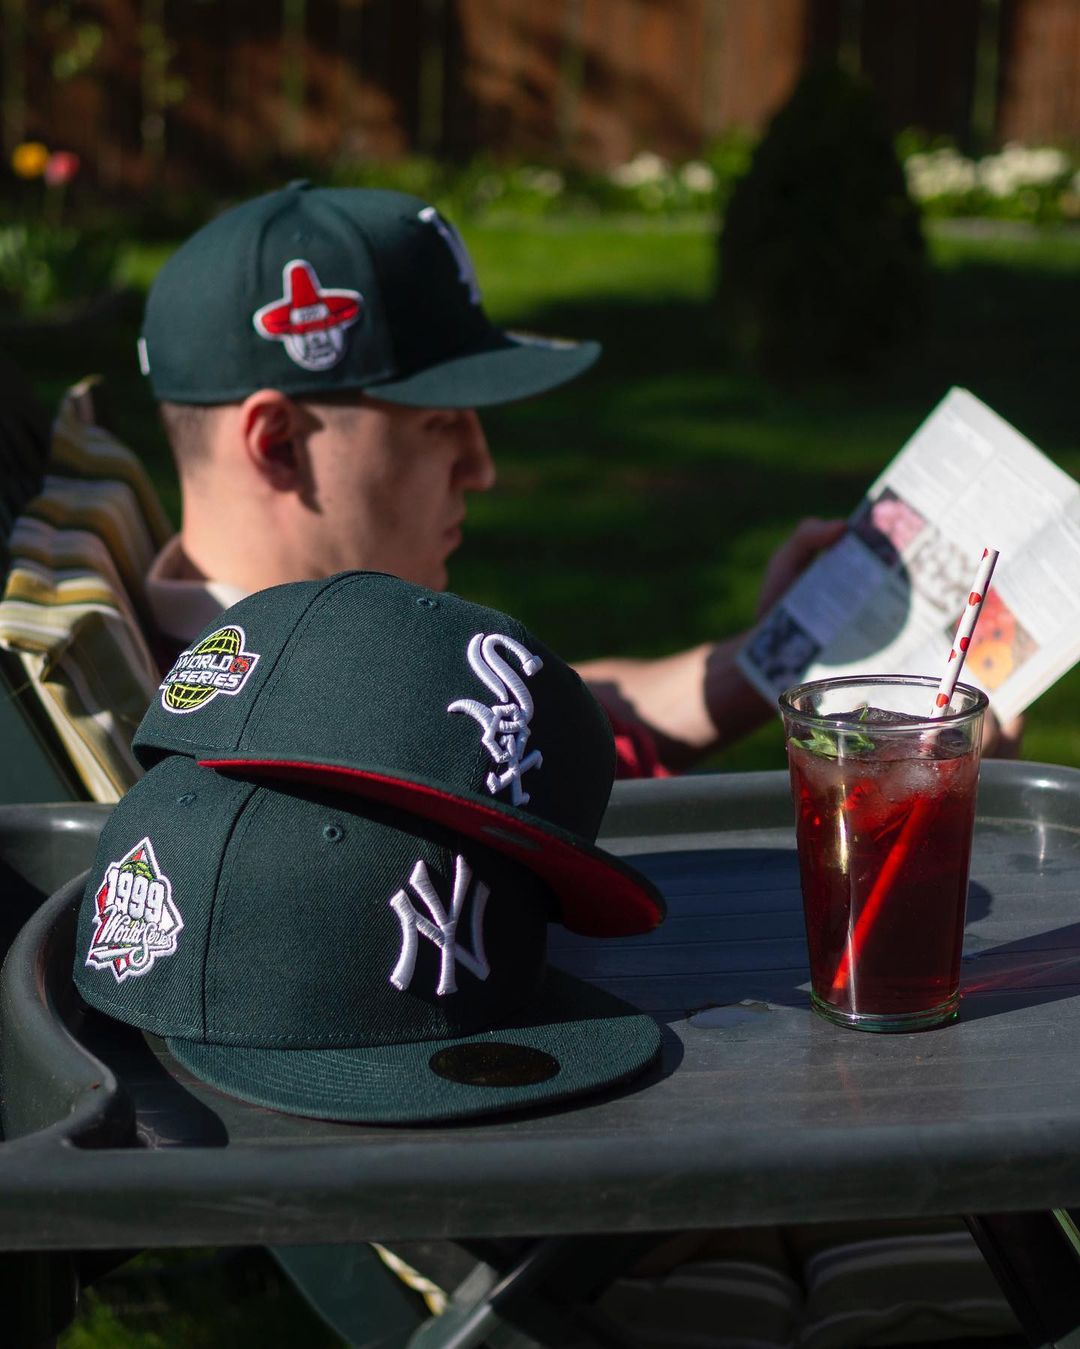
{"x":74,"y":603}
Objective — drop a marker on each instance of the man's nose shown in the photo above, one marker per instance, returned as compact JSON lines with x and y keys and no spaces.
{"x":476,"y":468}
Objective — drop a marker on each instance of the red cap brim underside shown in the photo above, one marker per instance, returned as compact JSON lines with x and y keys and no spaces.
{"x":598,"y":895}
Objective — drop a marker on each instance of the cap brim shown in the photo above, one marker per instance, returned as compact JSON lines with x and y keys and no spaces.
{"x":579,"y":1037}
{"x":507,"y":367}
{"x":599,"y":895}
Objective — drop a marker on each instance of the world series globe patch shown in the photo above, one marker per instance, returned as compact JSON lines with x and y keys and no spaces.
{"x":219,"y":664}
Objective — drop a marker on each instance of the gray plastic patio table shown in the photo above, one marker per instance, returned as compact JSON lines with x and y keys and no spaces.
{"x":759,"y":1113}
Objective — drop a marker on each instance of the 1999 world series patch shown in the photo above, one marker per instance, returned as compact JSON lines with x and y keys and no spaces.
{"x":219,"y":664}
{"x":135,"y":919}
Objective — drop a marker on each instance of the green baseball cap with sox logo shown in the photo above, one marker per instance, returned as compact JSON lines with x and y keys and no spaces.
{"x":334,"y":958}
{"x":316,"y":291}
{"x":423,"y":702}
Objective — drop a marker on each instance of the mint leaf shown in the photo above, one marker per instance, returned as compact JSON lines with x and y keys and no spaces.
{"x":820,"y":742}
{"x":827,"y":743}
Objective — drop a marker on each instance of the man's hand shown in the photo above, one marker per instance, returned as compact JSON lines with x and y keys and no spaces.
{"x":810,"y":537}
{"x":1001,"y":739}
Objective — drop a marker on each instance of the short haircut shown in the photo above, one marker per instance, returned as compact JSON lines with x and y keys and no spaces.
{"x":187,"y":426}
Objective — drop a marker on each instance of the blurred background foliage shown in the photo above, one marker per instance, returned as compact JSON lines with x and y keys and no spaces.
{"x":55,"y":253}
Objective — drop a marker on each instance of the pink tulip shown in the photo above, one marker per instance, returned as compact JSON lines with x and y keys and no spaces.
{"x":61,"y":167}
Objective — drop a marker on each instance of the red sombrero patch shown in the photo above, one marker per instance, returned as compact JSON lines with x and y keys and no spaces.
{"x":309,"y":319}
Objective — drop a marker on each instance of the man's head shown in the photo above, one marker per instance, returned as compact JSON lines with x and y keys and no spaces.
{"x":318,"y":355}
{"x":296,"y":489}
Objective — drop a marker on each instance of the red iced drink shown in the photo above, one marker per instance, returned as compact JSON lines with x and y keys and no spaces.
{"x":851,"y":824}
{"x":884,"y":817}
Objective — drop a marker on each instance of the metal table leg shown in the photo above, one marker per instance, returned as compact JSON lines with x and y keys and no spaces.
{"x":1035,"y":1258}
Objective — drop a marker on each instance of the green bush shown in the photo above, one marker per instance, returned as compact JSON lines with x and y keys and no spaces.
{"x":48,"y":267}
{"x":822,"y":261}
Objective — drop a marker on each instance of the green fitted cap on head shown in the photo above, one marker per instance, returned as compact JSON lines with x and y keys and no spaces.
{"x":366,"y":684}
{"x":315,"y":291}
{"x":332,"y":958}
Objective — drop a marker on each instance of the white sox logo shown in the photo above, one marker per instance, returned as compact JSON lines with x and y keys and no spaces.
{"x":440,"y":928}
{"x":505,"y":723}
{"x":456,"y":245}
{"x":136,"y":921}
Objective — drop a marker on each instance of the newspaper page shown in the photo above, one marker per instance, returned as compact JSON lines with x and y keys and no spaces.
{"x":887,"y":597}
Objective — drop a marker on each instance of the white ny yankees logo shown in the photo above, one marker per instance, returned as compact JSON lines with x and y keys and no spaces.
{"x":443,"y":930}
{"x":456,"y":245}
{"x":506,"y":723}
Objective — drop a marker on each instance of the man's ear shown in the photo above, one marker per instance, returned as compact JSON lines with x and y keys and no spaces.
{"x":271,"y":425}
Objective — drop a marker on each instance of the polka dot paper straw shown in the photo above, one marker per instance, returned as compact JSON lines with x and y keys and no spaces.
{"x":962,"y":640}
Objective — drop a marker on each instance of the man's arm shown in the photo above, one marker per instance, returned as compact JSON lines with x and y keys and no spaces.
{"x":697,"y":701}
{"x":690,"y":703}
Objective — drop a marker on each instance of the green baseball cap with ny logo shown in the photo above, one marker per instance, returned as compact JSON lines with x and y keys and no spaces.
{"x":315,"y":291}
{"x":330,"y":957}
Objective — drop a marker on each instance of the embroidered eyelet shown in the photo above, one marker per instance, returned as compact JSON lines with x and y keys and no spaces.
{"x":186,"y":799}
{"x":426,"y":602}
{"x":333,"y":833}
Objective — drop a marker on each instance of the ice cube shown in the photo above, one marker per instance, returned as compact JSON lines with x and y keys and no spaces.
{"x":878,"y":716}
{"x":943,"y":742}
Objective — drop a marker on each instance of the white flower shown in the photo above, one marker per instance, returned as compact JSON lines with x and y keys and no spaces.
{"x":996,"y":177}
{"x":643,"y":168}
{"x":1016,"y":167}
{"x":697,"y":176}
{"x":1047,"y":164}
{"x":548,"y":182}
{"x":939,"y":173}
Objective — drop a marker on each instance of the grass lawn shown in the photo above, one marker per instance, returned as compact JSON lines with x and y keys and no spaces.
{"x":635,"y":510}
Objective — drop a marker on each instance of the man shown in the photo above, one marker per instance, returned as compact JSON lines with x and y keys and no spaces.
{"x":318,"y":356}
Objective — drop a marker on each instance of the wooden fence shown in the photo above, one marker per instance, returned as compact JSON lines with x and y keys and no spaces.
{"x":222,"y":90}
